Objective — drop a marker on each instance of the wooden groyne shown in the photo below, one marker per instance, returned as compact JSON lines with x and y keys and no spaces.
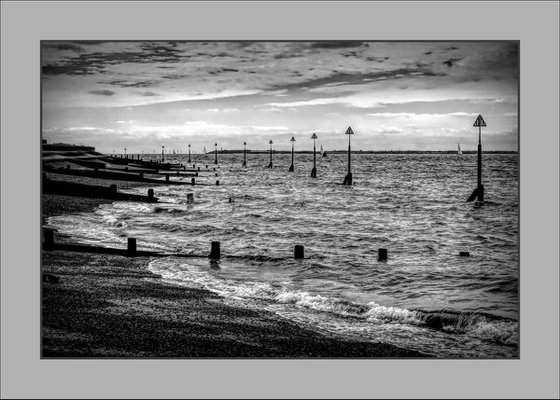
{"x":102,"y":192}
{"x":116,"y":176}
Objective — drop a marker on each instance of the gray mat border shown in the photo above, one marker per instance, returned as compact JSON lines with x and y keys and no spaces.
{"x":24,"y":24}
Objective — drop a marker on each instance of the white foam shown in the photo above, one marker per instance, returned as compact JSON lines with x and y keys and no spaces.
{"x":378,"y":312}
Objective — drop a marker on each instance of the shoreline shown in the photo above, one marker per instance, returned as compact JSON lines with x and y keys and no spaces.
{"x":100,"y":305}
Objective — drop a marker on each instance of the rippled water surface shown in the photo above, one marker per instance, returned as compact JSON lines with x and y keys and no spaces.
{"x":424,"y":297}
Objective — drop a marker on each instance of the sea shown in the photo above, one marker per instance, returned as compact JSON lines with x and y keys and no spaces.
{"x":425,"y":296}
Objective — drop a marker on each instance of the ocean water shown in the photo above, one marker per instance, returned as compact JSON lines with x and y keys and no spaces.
{"x":424,"y":297}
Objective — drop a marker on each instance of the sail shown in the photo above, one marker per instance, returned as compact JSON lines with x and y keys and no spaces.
{"x":459,"y":149}
{"x":204,"y":149}
{"x":321,"y":149}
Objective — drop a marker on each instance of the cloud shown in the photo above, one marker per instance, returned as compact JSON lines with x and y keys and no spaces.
{"x":149,"y":94}
{"x":129,"y":83}
{"x":415,"y":115}
{"x":66,"y":46}
{"x":451,"y":61}
{"x":339,"y":44}
{"x":119,"y":53}
{"x":347,"y":78}
{"x":102,"y":92}
{"x":390,"y":129}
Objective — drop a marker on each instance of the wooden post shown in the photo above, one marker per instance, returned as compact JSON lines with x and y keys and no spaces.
{"x":298,"y":251}
{"x":151,"y":193}
{"x":215,"y":251}
{"x":382,"y":254}
{"x":131,"y":249}
{"x":192,"y":181}
{"x":49,"y":239}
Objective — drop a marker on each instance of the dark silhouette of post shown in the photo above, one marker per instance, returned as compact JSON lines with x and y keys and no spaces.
{"x":292,"y":166}
{"x":162,"y":157}
{"x":478,"y":193}
{"x":382,"y":254}
{"x":131,"y":249}
{"x":216,"y":153}
{"x":125,"y":156}
{"x":348,"y":178}
{"x":215,"y":251}
{"x":314,"y":170}
{"x":189,"y":154}
{"x":270,"y":164}
{"x":298,"y":251}
{"x":244,"y":154}
{"x":49,"y":238}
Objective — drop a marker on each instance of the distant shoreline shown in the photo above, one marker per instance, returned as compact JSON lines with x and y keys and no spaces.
{"x":364,"y":152}
{"x":73,"y":147}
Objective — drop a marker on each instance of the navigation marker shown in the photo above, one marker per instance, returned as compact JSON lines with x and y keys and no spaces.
{"x":478,"y":193}
{"x":314,"y":170}
{"x":348,"y":178}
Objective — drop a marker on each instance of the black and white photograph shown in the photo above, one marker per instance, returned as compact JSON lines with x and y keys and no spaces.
{"x":298,"y":199}
{"x":279,"y":199}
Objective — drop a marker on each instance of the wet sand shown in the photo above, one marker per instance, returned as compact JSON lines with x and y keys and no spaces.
{"x":101,"y":305}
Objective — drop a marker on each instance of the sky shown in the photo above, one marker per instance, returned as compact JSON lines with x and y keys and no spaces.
{"x":395,"y":95}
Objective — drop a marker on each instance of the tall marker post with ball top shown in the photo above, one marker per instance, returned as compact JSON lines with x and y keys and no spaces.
{"x":348,"y":178}
{"x":189,"y":154}
{"x":162,"y":158}
{"x":216,"y":153}
{"x":244,"y":154}
{"x":291,"y":169}
{"x":478,"y":193}
{"x":270,"y":164}
{"x":314,"y":170}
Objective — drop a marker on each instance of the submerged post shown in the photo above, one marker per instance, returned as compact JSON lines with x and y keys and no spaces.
{"x":216,"y":152}
{"x":189,"y":154}
{"x":348,"y":178}
{"x":298,"y":251}
{"x":478,"y":193}
{"x":215,"y":251}
{"x":314,"y":170}
{"x":382,"y":254}
{"x":244,"y":154}
{"x":131,"y":249}
{"x":49,"y":238}
{"x":270,"y":164}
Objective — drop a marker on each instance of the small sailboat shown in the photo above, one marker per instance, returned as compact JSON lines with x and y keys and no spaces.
{"x":323,"y":152}
{"x":204,"y":149}
{"x":459,"y":149}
